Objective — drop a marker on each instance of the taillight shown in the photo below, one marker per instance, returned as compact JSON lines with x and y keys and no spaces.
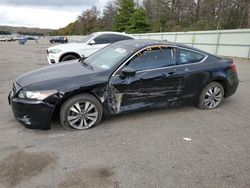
{"x":233,"y":67}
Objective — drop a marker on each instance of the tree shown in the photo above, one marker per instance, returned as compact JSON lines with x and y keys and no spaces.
{"x":248,"y":14}
{"x":109,"y":13}
{"x":162,"y":15}
{"x":159,"y":14}
{"x":138,"y":22}
{"x":88,"y":20}
{"x":198,"y":9}
{"x":244,"y":13}
{"x":126,"y":9}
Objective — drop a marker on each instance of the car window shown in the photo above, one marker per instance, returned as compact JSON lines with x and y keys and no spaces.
{"x":85,"y":39}
{"x":187,"y":57}
{"x":108,"y":57}
{"x":102,"y":39}
{"x":116,"y":38}
{"x":153,"y":58}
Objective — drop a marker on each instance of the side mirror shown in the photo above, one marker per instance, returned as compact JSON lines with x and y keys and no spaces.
{"x":91,"y":42}
{"x":128,"y":71}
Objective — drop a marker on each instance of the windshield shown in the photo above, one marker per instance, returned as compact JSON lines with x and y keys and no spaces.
{"x":85,"y":39}
{"x":107,"y":57}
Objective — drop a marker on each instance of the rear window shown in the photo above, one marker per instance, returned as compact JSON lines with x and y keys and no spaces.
{"x":187,"y":57}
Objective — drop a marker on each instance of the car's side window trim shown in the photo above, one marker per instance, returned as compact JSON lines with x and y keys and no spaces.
{"x":178,"y":65}
{"x":173,"y":53}
{"x":201,"y":61}
{"x":131,"y":57}
{"x":170,"y":46}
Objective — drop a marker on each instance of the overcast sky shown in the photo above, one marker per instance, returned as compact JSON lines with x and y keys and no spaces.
{"x":43,"y":13}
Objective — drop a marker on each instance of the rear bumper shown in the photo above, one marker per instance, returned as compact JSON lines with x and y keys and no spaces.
{"x":32,"y":114}
{"x":233,"y":83}
{"x":232,"y":89}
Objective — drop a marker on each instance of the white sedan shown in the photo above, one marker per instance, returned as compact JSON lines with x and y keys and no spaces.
{"x":84,"y":48}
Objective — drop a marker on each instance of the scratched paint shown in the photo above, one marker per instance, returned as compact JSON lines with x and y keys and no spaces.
{"x":114,"y":99}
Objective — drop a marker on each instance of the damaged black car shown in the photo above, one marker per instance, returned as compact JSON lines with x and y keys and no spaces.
{"x":125,"y":76}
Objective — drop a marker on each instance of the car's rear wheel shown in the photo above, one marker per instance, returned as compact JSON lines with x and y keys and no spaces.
{"x":81,"y":112}
{"x":211,"y":96}
{"x":69,"y":57}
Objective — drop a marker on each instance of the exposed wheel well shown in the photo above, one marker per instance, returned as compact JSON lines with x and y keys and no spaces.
{"x":70,"y":53}
{"x":57,"y":109}
{"x":222,"y":82}
{"x":224,"y":85}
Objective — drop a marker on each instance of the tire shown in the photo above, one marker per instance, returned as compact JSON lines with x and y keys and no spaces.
{"x":211,"y":96}
{"x":81,"y":112}
{"x":69,"y":57}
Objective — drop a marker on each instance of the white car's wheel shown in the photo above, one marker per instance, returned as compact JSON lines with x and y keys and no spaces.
{"x":69,"y":57}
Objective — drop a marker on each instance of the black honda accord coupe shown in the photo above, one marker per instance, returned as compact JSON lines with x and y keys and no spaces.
{"x":125,"y":76}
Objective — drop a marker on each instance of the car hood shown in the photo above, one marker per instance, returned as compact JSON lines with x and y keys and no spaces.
{"x":68,"y":46}
{"x":53,"y":72}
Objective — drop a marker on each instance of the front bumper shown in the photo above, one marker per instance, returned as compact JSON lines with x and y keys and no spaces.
{"x":31,"y":114}
{"x":52,"y":58}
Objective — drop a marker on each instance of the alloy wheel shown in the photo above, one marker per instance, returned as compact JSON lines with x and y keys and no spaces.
{"x":213,"y":97}
{"x":82,"y":115}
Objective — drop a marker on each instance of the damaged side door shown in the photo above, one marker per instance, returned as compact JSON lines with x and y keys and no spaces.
{"x":155,"y":81}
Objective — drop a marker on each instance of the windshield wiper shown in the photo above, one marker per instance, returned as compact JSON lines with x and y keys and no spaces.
{"x":82,"y":60}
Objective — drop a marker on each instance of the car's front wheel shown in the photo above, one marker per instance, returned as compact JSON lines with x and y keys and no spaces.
{"x":81,"y":112}
{"x":69,"y":57}
{"x":211,"y":96}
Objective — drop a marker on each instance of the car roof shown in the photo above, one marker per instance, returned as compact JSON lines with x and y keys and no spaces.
{"x":112,"y":32}
{"x":137,"y":44}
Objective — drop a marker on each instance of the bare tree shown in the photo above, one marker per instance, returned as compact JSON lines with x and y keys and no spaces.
{"x":248,"y":14}
{"x":88,"y":20}
{"x":109,"y":13}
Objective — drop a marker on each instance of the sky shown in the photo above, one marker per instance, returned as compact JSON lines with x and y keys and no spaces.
{"x":51,"y":14}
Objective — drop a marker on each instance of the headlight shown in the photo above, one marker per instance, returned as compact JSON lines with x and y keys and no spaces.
{"x":54,"y":51}
{"x":36,"y":95}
